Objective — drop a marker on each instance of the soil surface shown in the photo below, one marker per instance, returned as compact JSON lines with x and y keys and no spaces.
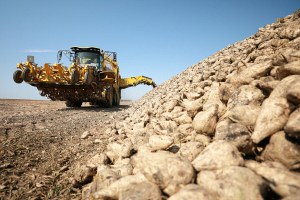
{"x":40,"y":145}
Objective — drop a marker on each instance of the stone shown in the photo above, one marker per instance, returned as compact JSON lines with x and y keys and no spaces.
{"x":291,"y":31}
{"x":279,"y":42}
{"x":98,"y":141}
{"x":99,"y":159}
{"x":291,"y":68}
{"x":183,"y":119}
{"x":293,"y":92}
{"x":142,"y":190}
{"x":85,"y":173}
{"x":258,"y":70}
{"x":192,"y":107}
{"x":213,"y":99}
{"x":160,"y":142}
{"x":281,"y":180}
{"x":221,"y":76}
{"x":192,"y":96}
{"x":217,"y":155}
{"x":282,"y":88}
{"x":85,"y":135}
{"x":233,"y":182}
{"x":245,"y":114}
{"x":205,"y":140}
{"x":284,"y":150}
{"x":267,"y":87}
{"x":236,"y":134}
{"x":191,"y":150}
{"x":139,"y":137}
{"x":225,"y":91}
{"x":185,"y":128}
{"x":193,"y":192}
{"x":102,"y":167}
{"x":122,"y":169}
{"x":115,"y":189}
{"x":272,"y":117}
{"x":204,"y":122}
{"x":294,"y":196}
{"x":119,"y":150}
{"x":292,"y":127}
{"x":164,"y":169}
{"x":103,"y":180}
{"x":85,"y":194}
{"x":171,"y":105}
{"x":237,"y":80}
{"x":245,"y":95}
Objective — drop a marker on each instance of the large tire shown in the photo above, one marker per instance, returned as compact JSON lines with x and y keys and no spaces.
{"x":78,"y":104}
{"x":18,"y":76}
{"x":25,"y":75}
{"x":119,"y":97}
{"x":73,"y":103}
{"x":109,"y":102}
{"x":70,"y":103}
{"x":116,"y":101}
{"x":74,"y":76}
{"x":101,"y":104}
{"x":88,"y":78}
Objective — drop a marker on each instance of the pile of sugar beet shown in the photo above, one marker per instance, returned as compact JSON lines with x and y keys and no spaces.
{"x":227,"y":127}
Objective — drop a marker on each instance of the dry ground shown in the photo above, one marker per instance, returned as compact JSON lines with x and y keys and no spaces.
{"x":41,"y":139}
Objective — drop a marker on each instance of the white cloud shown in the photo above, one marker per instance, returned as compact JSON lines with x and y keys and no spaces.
{"x":39,"y":51}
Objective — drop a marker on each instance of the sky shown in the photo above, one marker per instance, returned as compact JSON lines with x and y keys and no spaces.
{"x":153,"y":38}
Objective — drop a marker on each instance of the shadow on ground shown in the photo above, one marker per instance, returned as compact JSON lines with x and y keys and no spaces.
{"x":97,"y":108}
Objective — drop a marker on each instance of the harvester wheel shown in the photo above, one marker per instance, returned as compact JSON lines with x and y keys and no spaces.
{"x":101,"y":104}
{"x":110,"y":98}
{"x":116,"y":101}
{"x":88,"y":78}
{"x":119,"y":97}
{"x":73,"y":103}
{"x":25,"y":75}
{"x":78,"y":104}
{"x":74,"y":76}
{"x":70,"y":103}
{"x":18,"y":76}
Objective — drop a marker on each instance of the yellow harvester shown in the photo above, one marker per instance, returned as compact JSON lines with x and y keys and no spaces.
{"x":92,"y":77}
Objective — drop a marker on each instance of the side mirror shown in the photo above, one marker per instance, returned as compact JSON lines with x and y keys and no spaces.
{"x":30,"y":59}
{"x":115,"y":57}
{"x":59,"y":54}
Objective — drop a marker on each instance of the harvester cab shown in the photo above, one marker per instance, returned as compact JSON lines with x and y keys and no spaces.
{"x":92,"y":77}
{"x":88,"y":55}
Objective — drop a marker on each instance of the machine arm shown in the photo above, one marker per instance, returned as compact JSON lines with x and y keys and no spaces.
{"x":134,"y":81}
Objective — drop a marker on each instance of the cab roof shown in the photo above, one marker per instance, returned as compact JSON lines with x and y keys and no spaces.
{"x":84,"y":49}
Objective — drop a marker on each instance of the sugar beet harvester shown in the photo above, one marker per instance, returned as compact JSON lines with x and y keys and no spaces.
{"x":92,"y":77}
